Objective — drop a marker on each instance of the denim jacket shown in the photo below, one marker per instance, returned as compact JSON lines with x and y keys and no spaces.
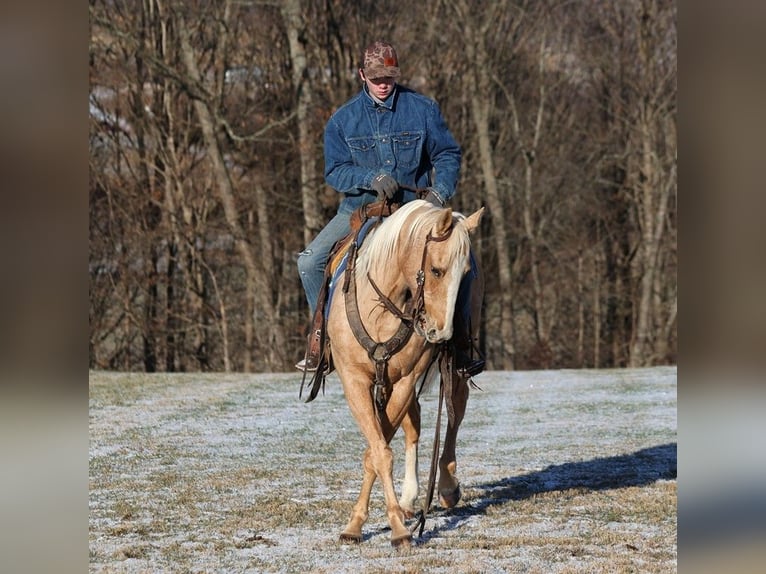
{"x":405,"y":136}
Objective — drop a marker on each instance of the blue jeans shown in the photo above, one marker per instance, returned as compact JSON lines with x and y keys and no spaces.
{"x":313,"y":260}
{"x":463,"y":305}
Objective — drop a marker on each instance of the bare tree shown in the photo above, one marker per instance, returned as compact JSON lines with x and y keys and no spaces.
{"x":258,"y":284}
{"x":206,"y":130}
{"x":477,"y":28}
{"x":639,"y":79}
{"x":654,"y":180}
{"x":296,"y":35}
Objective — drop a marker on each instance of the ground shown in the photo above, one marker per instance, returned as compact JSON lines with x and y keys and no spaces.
{"x":562,"y":472}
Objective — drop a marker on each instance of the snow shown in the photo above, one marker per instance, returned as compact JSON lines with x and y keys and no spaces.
{"x":561,"y":471}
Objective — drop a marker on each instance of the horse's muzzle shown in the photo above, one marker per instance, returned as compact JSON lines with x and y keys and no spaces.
{"x":426,"y":329}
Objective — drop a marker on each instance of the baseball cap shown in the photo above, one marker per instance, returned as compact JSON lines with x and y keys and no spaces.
{"x":380,"y":61}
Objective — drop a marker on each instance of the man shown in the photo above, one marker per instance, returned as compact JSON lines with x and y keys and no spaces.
{"x":385,"y":136}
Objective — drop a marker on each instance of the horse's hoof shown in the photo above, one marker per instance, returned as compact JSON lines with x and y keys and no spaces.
{"x":450,"y":499}
{"x":402,"y":541}
{"x":350,"y":538}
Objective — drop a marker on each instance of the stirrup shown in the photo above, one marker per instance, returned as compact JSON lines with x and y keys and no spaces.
{"x":471,"y":368}
{"x":310,"y":363}
{"x":306,"y":365}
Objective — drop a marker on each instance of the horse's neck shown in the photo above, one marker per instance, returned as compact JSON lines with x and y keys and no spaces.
{"x":392,"y":285}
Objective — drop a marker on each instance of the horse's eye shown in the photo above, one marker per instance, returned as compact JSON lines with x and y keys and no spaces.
{"x":436,"y":272}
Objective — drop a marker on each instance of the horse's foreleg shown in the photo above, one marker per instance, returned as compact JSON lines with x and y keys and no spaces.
{"x":384,"y":463}
{"x":379,"y":459}
{"x":353,"y":530}
{"x":411,"y":428}
{"x":398,"y":410}
{"x":449,"y":485}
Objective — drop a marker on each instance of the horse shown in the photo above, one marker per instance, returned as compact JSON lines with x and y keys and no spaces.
{"x":405,"y":280}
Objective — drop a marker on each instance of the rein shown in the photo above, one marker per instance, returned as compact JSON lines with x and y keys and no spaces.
{"x":446,"y":375}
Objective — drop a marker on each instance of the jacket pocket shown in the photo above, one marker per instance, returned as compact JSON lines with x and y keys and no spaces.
{"x":364,"y":151}
{"x":407,"y":148}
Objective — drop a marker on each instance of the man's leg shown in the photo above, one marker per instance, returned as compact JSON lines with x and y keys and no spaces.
{"x":312,"y":262}
{"x":468,"y":359}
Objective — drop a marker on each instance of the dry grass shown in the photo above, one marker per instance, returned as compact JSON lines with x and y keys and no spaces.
{"x":562,"y":473}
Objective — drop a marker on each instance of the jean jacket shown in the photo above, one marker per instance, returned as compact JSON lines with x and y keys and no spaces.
{"x":405,"y":137}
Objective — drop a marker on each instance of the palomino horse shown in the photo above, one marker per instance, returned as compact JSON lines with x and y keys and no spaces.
{"x":410,"y":266}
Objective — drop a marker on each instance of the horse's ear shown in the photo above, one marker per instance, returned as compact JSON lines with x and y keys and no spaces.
{"x":472,"y":221}
{"x":444,"y":223}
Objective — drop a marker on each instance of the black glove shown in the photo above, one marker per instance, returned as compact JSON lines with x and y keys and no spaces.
{"x":385,"y":186}
{"x":432,"y":197}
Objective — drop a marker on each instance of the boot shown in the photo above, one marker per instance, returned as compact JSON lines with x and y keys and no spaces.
{"x":468,"y":360}
{"x":468,"y":367}
{"x":314,"y":350}
{"x":310,"y":362}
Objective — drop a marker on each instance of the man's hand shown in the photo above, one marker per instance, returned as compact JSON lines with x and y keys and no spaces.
{"x":432,"y":197}
{"x":385,"y":186}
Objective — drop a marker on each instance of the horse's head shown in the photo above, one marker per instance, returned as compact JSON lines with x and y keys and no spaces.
{"x":418,"y":258}
{"x":440,"y":258}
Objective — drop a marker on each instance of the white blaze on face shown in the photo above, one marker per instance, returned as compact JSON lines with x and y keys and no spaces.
{"x":454,"y":279}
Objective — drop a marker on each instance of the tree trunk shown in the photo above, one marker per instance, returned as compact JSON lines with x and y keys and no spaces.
{"x":597,"y":270}
{"x":652,"y":204}
{"x":272,"y":339}
{"x":480,"y":112}
{"x":580,"y":313}
{"x":224,"y":187}
{"x":529,"y":153}
{"x":312,"y":213}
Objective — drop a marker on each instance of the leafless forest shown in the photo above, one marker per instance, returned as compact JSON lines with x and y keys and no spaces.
{"x":206,"y":163}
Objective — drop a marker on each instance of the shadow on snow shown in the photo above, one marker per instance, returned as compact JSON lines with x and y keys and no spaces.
{"x":640,"y":468}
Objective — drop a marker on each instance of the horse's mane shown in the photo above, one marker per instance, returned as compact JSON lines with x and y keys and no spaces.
{"x":379,"y":248}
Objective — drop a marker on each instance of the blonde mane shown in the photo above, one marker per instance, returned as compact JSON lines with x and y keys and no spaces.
{"x":383,"y":243}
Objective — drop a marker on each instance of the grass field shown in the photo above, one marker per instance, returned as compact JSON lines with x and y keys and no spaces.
{"x":562,"y":472}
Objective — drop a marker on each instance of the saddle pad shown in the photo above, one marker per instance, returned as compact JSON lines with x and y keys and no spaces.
{"x":340,"y":260}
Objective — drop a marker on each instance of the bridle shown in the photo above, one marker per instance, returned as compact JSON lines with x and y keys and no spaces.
{"x":381,"y":352}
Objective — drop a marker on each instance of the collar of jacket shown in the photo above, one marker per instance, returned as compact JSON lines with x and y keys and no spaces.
{"x":375,"y":102}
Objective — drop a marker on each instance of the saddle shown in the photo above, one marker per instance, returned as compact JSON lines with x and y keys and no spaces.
{"x":317,"y":347}
{"x":359,"y":218}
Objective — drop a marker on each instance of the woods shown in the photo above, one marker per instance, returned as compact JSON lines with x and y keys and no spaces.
{"x":206,"y":163}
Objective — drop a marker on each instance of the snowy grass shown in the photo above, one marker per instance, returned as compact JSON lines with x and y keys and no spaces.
{"x":562,"y":472}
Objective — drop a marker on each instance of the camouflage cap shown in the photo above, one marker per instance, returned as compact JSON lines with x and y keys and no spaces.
{"x":380,"y":61}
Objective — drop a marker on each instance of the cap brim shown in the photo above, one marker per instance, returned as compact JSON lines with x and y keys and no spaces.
{"x":387,"y":72}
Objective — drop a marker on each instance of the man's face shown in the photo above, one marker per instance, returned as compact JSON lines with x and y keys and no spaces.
{"x":381,"y":88}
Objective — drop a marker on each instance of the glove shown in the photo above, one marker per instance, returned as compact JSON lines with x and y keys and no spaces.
{"x":432,"y":197}
{"x":385,"y":186}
